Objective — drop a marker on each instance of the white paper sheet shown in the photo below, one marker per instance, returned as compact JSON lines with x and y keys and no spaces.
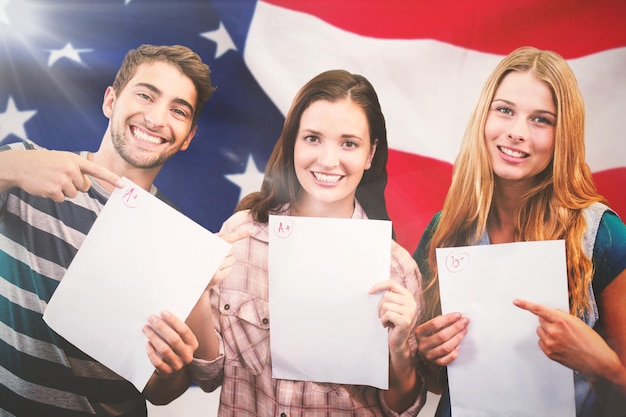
{"x":324,"y":324}
{"x":500,"y":370}
{"x":140,"y":257}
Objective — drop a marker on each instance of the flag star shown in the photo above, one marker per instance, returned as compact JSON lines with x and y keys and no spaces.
{"x":12,"y":120}
{"x":223,"y":40}
{"x":4,"y":17}
{"x":68,"y":52}
{"x":250,"y":181}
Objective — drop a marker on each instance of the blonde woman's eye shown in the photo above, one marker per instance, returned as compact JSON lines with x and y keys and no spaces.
{"x":544,"y":121}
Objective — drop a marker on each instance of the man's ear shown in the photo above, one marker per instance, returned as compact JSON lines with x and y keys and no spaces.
{"x":190,"y":136}
{"x":107,"y":103}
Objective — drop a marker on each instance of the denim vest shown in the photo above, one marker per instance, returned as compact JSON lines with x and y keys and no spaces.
{"x":586,"y":403}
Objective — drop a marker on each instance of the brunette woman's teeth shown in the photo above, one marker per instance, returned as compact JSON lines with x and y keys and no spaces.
{"x":326,"y":177}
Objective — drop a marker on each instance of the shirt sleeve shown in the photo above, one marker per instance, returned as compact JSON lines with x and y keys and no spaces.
{"x":405,"y":270}
{"x":26,"y":144}
{"x":209,"y":375}
{"x":421,"y":253}
{"x":412,"y":411}
{"x":609,"y":252}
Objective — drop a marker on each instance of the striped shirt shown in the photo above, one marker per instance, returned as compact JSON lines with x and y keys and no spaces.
{"x":243,"y":367}
{"x":41,"y":374}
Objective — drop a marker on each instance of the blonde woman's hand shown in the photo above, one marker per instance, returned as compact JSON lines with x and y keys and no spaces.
{"x":568,"y":340}
{"x":438,"y":339}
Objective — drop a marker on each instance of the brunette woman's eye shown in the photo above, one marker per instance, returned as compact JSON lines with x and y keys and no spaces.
{"x":311,"y":139}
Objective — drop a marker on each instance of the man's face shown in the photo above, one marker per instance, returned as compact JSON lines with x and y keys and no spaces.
{"x":151,"y":117}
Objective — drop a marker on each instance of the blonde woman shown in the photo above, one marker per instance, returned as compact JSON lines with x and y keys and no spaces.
{"x":521,"y":175}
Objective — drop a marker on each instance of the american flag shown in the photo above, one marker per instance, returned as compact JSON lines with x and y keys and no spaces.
{"x":427,"y":60}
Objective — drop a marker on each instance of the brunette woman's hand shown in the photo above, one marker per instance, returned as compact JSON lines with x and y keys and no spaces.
{"x":171,"y":343}
{"x":397,"y":310}
{"x":226,"y":266}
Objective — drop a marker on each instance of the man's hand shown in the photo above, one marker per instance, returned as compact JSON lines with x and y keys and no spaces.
{"x":51,"y":174}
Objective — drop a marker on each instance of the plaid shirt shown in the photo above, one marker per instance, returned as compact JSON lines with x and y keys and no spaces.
{"x":243,"y":367}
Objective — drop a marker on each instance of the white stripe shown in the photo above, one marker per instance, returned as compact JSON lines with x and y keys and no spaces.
{"x":36,"y":263}
{"x":41,"y":394}
{"x":31,"y":346}
{"x":23,"y":298}
{"x":427,"y":88}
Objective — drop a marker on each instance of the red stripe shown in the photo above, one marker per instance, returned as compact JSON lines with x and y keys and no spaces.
{"x":573,"y":28}
{"x":611,"y":184}
{"x":418,"y":186}
{"x":415,"y":192}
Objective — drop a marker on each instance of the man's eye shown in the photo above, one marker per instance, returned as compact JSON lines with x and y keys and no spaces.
{"x":180,"y":112}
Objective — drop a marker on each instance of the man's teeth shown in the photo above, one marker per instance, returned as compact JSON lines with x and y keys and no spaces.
{"x":513,"y":153}
{"x":145,"y":137}
{"x":326,"y":177}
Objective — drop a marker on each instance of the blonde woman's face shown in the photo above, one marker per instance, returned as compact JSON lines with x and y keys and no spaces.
{"x":331,"y":153}
{"x":520,"y":127}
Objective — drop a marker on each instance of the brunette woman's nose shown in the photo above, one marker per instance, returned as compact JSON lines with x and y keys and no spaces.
{"x":328,"y":156}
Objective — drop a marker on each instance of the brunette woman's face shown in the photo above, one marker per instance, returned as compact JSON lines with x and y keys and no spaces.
{"x":520,"y":127}
{"x":332,"y":151}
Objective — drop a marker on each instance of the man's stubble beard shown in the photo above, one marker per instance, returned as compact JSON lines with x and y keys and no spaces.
{"x":147,"y":163}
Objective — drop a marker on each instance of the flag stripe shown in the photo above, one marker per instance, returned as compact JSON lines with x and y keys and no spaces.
{"x":426,"y":106}
{"x":574,"y":28}
{"x":428,"y":88}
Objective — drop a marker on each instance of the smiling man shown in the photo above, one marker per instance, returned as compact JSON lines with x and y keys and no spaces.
{"x":49,"y":201}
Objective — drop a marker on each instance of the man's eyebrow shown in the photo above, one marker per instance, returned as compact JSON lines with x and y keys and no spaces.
{"x":158,"y":92}
{"x":149,"y":87}
{"x":185,"y":103}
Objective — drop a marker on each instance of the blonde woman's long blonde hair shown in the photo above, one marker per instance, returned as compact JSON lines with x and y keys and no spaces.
{"x":552,"y":208}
